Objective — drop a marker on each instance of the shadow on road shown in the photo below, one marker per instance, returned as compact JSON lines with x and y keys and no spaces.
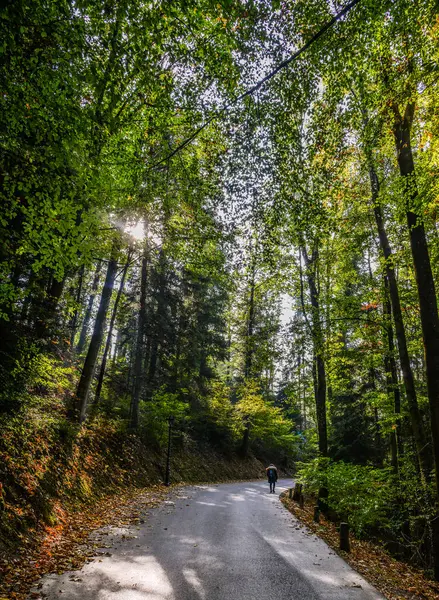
{"x":225,"y":543}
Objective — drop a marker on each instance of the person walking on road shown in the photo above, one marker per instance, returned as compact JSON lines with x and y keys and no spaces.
{"x":272,"y":477}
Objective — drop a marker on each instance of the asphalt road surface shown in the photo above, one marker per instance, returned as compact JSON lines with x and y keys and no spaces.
{"x":215,"y":542}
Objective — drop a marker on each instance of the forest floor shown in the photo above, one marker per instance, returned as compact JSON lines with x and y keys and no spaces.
{"x":396,"y":580}
{"x":67,"y":546}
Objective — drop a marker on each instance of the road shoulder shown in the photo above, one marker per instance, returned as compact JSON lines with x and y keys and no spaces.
{"x":394,"y":579}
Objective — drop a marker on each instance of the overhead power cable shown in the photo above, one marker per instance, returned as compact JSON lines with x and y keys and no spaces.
{"x":261,"y":82}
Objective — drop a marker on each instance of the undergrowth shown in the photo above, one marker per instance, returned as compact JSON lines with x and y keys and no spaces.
{"x":49,"y":465}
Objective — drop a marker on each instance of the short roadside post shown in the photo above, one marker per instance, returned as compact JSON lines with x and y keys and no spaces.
{"x":297,"y":491}
{"x":168,"y":458}
{"x":316,"y":514}
{"x":344,"y":537}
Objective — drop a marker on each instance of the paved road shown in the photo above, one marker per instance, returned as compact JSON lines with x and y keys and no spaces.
{"x":219,"y":542}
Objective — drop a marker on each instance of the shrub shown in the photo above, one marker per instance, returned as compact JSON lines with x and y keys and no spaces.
{"x":361,"y":495}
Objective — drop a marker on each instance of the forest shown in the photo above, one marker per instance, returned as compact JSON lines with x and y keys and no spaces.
{"x":223,"y":216}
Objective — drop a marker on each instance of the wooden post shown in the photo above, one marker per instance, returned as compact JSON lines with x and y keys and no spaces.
{"x":297,"y":491}
{"x":301,"y":501}
{"x":344,"y":537}
{"x":316,"y":514}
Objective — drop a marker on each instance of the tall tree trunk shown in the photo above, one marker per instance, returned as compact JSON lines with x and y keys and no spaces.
{"x":229,"y":353}
{"x":159,"y":317}
{"x":47,"y":313}
{"x":378,"y":442}
{"x":98,"y":334}
{"x":299,"y":390}
{"x":249,"y":350}
{"x":317,"y":335}
{"x":315,"y":386}
{"x":250,"y":326}
{"x":177,"y":371}
{"x":83,"y":335}
{"x":425,"y":285}
{"x":138,"y":362}
{"x":302,"y":390}
{"x":422,"y":447}
{"x":392,"y":377}
{"x":110,"y":329}
{"x":152,"y":367}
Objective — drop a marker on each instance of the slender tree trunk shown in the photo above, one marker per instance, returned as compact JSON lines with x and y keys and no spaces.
{"x":321,"y":406}
{"x":423,"y":272}
{"x":392,"y":377}
{"x":110,"y":329}
{"x":426,"y":287}
{"x":83,"y":335}
{"x":98,"y":334}
{"x":302,"y":391}
{"x":47,"y":313}
{"x":153,"y":358}
{"x":315,"y":386}
{"x":138,"y":363}
{"x":159,"y":317}
{"x":250,"y":327}
{"x":178,"y":370}
{"x":249,"y":349}
{"x":317,"y":335}
{"x":299,"y":390}
{"x":246,"y":436}
{"x":229,"y":353}
{"x":378,"y":442}
{"x":422,"y":446}
{"x":147,"y":352}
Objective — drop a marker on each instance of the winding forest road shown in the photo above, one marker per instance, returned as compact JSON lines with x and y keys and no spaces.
{"x":219,"y":542}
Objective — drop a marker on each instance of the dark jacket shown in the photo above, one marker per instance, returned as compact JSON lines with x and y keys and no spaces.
{"x":271,"y":473}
